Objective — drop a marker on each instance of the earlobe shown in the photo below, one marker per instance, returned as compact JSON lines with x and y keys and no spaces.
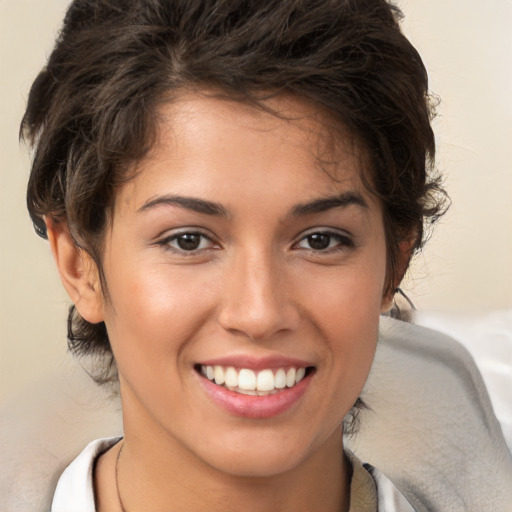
{"x":78,"y":271}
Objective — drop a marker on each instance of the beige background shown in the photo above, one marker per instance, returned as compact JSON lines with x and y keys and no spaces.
{"x":467,"y":46}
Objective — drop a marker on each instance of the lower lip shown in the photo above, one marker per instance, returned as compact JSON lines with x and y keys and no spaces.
{"x":255,"y":407}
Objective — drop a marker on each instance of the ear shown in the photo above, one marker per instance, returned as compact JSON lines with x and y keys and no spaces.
{"x":78,"y":271}
{"x":405,"y":250}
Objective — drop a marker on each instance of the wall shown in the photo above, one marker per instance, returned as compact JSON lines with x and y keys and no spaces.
{"x":467,"y":47}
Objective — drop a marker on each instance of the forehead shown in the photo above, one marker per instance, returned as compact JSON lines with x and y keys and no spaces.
{"x":219,"y":147}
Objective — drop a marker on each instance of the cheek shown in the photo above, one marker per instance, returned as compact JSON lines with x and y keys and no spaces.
{"x":348,"y":299}
{"x":154,"y":311}
{"x":347,"y":311}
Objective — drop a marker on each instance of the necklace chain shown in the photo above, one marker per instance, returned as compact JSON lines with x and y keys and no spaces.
{"x":117,"y":478}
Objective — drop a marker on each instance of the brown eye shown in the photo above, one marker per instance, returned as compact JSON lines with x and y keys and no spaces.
{"x":325,"y":241}
{"x":319,"y":241}
{"x":188,"y":242}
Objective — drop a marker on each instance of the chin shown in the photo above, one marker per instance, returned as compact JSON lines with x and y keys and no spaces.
{"x":266,"y":454}
{"x":261,"y":465}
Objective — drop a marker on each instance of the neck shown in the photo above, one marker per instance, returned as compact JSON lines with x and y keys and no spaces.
{"x":159,"y":472}
{"x":160,"y":479}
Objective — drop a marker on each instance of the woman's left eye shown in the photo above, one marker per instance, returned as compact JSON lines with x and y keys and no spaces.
{"x":324,"y":241}
{"x":188,"y":242}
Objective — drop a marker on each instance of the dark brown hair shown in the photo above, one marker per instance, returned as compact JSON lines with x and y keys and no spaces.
{"x":92,"y":110}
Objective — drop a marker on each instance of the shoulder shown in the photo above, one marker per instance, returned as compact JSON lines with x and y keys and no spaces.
{"x":75,"y":489}
{"x":389,"y":498}
{"x":372,"y":491}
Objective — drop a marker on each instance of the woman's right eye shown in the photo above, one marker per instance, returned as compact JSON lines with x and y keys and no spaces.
{"x":189,"y":242}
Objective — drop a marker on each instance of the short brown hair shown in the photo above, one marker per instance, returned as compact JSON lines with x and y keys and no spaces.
{"x":92,"y":110}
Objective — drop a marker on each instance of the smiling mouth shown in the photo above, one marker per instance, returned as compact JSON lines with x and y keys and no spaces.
{"x":256,"y":383}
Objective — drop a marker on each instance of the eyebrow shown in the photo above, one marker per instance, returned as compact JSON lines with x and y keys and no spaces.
{"x":327,"y":203}
{"x":216,"y":209}
{"x":189,"y":203}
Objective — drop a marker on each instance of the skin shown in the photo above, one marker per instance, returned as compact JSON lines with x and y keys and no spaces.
{"x":254,"y":287}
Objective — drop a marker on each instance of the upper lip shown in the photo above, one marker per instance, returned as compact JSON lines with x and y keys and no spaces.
{"x":256,"y":363}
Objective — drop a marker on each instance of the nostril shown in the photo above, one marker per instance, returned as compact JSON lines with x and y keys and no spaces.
{"x":259,"y":324}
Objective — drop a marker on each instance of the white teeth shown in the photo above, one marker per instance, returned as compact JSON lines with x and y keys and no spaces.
{"x":218,"y":373}
{"x":231,"y":378}
{"x":290,"y":377}
{"x":265,"y":381}
{"x":247,"y":379}
{"x":249,"y":382}
{"x":280,"y":379}
{"x":251,"y":392}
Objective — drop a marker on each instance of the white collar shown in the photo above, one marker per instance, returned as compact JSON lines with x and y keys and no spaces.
{"x":75,"y":489}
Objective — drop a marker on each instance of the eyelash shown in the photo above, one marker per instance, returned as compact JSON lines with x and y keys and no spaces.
{"x":176,"y":237}
{"x":343,"y":242}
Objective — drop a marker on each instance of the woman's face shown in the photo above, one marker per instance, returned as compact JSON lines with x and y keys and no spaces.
{"x":244,"y":251}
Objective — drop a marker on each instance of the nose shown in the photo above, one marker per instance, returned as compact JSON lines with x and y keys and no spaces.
{"x":258,"y":301}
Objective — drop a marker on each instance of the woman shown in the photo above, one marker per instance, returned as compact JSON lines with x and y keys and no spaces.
{"x":232,"y":192}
